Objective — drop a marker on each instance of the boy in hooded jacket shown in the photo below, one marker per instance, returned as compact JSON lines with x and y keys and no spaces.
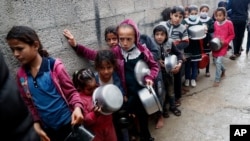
{"x":167,"y":48}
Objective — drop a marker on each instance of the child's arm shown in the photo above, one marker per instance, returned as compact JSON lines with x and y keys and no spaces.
{"x":65,"y":86}
{"x":80,"y":49}
{"x":230,"y":33}
{"x":153,"y":66}
{"x":183,"y":42}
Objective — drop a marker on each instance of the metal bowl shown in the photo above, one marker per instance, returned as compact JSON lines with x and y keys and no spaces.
{"x":108,"y":97}
{"x":141,"y":70}
{"x":196,"y":32}
{"x":215,"y":44}
{"x":150,"y":100}
{"x":170,"y":62}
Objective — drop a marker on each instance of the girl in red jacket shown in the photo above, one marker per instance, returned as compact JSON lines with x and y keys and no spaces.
{"x":101,"y":125}
{"x":224,"y":30}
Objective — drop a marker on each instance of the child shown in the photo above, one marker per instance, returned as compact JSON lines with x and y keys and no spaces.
{"x":178,"y":33}
{"x":224,"y":30}
{"x":101,"y":125}
{"x":106,"y":67}
{"x":166,"y":48}
{"x":45,"y":86}
{"x":193,"y":51}
{"x":110,"y":35}
{"x":209,"y":23}
{"x":128,"y":53}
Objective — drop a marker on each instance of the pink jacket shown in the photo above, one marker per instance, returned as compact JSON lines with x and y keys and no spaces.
{"x":225,"y":32}
{"x":101,"y":125}
{"x":62,"y":82}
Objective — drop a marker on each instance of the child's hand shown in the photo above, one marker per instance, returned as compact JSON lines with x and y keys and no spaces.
{"x":125,"y":98}
{"x":176,"y":69}
{"x":149,"y":82}
{"x":97,"y":110}
{"x":40,"y":132}
{"x":70,"y":38}
{"x":77,"y":116}
{"x":162,"y":63}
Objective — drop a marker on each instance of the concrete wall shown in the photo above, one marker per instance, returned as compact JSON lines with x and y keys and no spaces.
{"x":86,"y":19}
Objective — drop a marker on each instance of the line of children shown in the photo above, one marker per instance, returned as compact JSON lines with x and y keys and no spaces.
{"x":171,"y":38}
{"x":128,"y":53}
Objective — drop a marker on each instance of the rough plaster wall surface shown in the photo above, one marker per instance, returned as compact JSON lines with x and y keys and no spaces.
{"x":86,"y":19}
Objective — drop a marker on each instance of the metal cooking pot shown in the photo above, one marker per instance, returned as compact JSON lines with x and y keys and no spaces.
{"x":215,"y":44}
{"x":141,"y":70}
{"x":196,"y":32}
{"x":149,"y":100}
{"x":79,"y":133}
{"x":108,"y":97}
{"x":170,"y":62}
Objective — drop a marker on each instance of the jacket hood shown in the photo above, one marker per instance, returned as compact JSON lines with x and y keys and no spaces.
{"x":163,"y":24}
{"x":134,"y":25}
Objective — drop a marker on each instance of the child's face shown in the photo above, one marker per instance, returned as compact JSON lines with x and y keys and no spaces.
{"x":90,"y":87}
{"x":126,"y":37}
{"x":193,"y":12}
{"x":160,"y":37}
{"x":24,"y":53}
{"x":176,"y":18}
{"x":204,"y":9}
{"x":105,"y":71}
{"x":111,"y":40}
{"x":219,"y":16}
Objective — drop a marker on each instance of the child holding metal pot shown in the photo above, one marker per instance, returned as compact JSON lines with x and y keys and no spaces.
{"x":209,"y":23}
{"x":105,"y":65}
{"x":193,"y":51}
{"x":101,"y":125}
{"x":224,"y":30}
{"x":167,"y":48}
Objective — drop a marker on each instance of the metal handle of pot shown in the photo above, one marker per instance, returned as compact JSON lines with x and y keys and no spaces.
{"x":152,"y":91}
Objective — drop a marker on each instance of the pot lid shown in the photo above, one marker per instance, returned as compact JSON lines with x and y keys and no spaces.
{"x":141,"y":70}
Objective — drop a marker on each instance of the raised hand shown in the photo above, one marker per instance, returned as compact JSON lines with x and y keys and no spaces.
{"x":70,"y":37}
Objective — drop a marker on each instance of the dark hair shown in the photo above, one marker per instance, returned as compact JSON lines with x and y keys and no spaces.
{"x":81,"y":77}
{"x":161,"y":28}
{"x":178,"y":9}
{"x":104,"y":55}
{"x":222,"y":4}
{"x":192,"y":7}
{"x":110,"y":29}
{"x":222,"y":9}
{"x":28,"y":36}
{"x":166,"y":13}
{"x":204,"y":6}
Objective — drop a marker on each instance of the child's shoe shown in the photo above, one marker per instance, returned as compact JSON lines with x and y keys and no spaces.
{"x":175,"y":111}
{"x":193,"y":83}
{"x":186,"y":83}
